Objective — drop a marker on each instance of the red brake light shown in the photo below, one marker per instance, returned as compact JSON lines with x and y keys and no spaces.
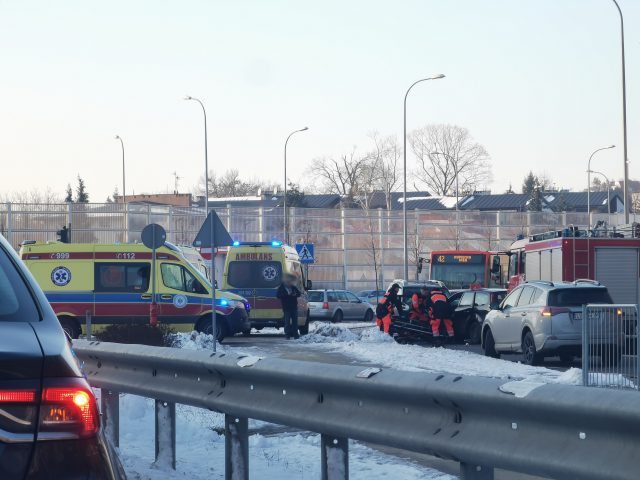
{"x":17,"y":396}
{"x":325,"y":306}
{"x":70,"y":409}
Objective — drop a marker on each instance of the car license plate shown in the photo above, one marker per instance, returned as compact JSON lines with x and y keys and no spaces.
{"x":577,"y":315}
{"x":592,"y":315}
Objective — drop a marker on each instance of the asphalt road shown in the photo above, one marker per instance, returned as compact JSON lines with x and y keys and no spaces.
{"x":277,"y":345}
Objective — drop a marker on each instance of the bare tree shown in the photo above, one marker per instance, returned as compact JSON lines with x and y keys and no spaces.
{"x":231,"y":184}
{"x":384,"y":159}
{"x":447,"y":151}
{"x":35,"y":195}
{"x":345,"y":176}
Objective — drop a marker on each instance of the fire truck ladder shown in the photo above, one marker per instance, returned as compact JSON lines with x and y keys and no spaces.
{"x":576,"y":265}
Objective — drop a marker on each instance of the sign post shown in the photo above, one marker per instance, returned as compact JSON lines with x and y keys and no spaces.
{"x":153,"y":237}
{"x":306,"y":252}
{"x":213,"y":234}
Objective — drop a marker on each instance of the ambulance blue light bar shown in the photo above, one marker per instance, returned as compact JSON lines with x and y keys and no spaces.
{"x":274,"y":243}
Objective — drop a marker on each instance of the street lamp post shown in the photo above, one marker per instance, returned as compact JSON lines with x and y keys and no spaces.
{"x":625,"y":186}
{"x":589,"y":181}
{"x":608,"y":196}
{"x":212,"y":268}
{"x":124,"y":193}
{"x":404,"y":174}
{"x":285,"y":236}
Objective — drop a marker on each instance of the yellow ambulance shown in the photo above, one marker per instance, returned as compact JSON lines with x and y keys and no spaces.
{"x":112,"y":283}
{"x":255,"y":271}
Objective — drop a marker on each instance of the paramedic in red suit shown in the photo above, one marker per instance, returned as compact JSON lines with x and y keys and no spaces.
{"x":387,"y":303}
{"x":440,"y":310}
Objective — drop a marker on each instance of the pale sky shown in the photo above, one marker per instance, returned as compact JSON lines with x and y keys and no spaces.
{"x":537,"y":82}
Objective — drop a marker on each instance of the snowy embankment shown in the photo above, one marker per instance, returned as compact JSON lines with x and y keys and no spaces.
{"x":200,"y":450}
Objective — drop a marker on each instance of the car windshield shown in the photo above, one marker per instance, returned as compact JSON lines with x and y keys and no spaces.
{"x":316,"y":296}
{"x":457,"y":273}
{"x":16,"y":302}
{"x":576,"y":297}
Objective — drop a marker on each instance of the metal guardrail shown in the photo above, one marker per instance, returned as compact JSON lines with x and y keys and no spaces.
{"x":610,"y":345}
{"x":549,"y":430}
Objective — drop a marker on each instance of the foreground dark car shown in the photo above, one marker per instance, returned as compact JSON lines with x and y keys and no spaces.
{"x":49,"y":421}
{"x":471,"y":309}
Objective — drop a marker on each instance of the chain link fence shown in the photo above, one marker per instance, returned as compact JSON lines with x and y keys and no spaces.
{"x":351,"y":245}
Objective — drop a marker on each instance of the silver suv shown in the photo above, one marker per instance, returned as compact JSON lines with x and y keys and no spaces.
{"x":338,"y":305}
{"x":541,"y":319}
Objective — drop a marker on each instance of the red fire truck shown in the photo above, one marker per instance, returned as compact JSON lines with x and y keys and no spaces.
{"x":460,"y":269}
{"x":609,"y":257}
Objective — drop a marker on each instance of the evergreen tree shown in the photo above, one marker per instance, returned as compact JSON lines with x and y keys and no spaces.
{"x":535,"y":203}
{"x":530,"y":183}
{"x":82,"y":196}
{"x":295,"y":197}
{"x":68,"y":194}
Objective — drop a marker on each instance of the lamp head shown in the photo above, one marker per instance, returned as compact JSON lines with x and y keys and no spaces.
{"x":440,"y":75}
{"x":188,"y":97}
{"x":117,"y":137}
{"x":303,"y":129}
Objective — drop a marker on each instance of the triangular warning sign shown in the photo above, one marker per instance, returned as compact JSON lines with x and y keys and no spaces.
{"x":221,"y":237}
{"x":305,"y":254}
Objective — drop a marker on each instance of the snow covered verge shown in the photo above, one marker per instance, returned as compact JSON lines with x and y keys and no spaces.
{"x":200,"y":450}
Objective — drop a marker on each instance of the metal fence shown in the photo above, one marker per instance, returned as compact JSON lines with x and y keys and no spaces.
{"x":610,"y":346}
{"x":550,"y":430}
{"x":346,"y":240}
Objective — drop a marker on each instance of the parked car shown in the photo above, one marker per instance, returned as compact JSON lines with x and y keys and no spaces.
{"x":371,"y":296}
{"x":50,"y":425}
{"x":472,"y":308}
{"x":338,"y":305}
{"x":543,"y":319}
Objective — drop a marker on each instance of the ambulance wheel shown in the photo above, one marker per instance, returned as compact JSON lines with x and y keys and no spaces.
{"x":204,"y":326}
{"x":368,"y":317}
{"x":304,"y":329}
{"x":70,"y":326}
{"x":247,"y":332}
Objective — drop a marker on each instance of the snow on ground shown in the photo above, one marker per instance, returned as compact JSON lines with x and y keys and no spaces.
{"x":373,"y":346}
{"x":200,"y":450}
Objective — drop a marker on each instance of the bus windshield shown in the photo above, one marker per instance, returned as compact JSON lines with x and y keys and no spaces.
{"x":459,"y":271}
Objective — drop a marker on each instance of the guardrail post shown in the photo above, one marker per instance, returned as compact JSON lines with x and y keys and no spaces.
{"x":236,"y":448}
{"x":165,"y":434}
{"x":110,"y":407}
{"x":585,"y":346}
{"x":475,"y":472}
{"x":335,"y":457}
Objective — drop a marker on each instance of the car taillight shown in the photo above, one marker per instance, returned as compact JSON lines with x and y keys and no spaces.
{"x":552,"y":311}
{"x":68,"y":410}
{"x":17,"y":396}
{"x":325,"y":306}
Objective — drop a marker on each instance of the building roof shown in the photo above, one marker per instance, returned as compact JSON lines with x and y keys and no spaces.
{"x":504,"y":201}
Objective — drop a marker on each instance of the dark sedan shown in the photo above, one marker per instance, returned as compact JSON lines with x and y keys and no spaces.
{"x":49,"y":420}
{"x":471,"y":309}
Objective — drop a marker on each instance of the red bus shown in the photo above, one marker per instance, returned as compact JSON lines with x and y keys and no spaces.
{"x":462,"y":269}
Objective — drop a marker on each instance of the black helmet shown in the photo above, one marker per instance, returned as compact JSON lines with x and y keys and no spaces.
{"x":394,"y":287}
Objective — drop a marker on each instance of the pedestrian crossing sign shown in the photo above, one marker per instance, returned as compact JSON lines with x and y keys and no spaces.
{"x":306,"y":252}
